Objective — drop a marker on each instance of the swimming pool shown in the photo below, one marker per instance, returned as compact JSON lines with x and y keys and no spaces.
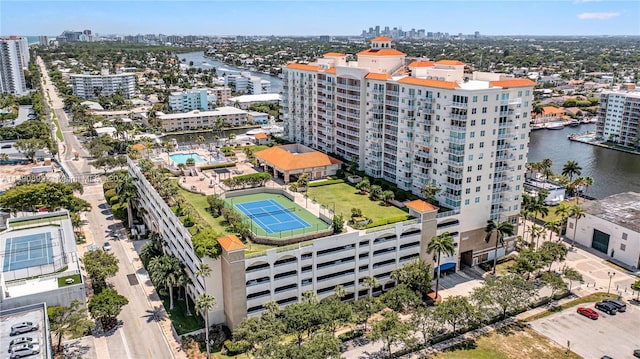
{"x":183,"y":157}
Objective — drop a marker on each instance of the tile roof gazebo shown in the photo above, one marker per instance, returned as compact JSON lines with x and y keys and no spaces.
{"x":295,"y":159}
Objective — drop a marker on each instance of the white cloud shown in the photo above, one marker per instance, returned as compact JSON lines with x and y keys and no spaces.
{"x":598,"y":15}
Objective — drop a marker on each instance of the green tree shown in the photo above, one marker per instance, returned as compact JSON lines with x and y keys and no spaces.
{"x":572,"y":275}
{"x":553,"y":226}
{"x":390,"y":329}
{"x":502,"y":229}
{"x":337,"y":222}
{"x":334,"y":313}
{"x":106,"y":305}
{"x":127,"y":193}
{"x":363,"y":186}
{"x":554,"y":282}
{"x":253,"y":332}
{"x":554,"y":251}
{"x":636,"y":286}
{"x":374,"y":192}
{"x":417,"y":275}
{"x":527,"y":261}
{"x":401,"y":298}
{"x":576,"y":212}
{"x":570,"y":169}
{"x":204,"y":304}
{"x":456,"y":311}
{"x":165,"y":272}
{"x":439,"y":245}
{"x":29,"y":147}
{"x":100,"y":265}
{"x":506,"y":293}
{"x":387,"y":197}
{"x":339,"y":291}
{"x":52,"y":196}
{"x":424,"y":321}
{"x":203,"y":271}
{"x":430,"y":191}
{"x":536,"y":233}
{"x":71,"y":320}
{"x":153,"y":248}
{"x":370,"y":283}
{"x":205,"y":243}
{"x":364,"y":308}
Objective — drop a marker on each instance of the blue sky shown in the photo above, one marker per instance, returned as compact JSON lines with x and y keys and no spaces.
{"x":347,"y":17}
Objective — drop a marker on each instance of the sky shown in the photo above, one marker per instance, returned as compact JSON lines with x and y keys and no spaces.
{"x":297,"y":17}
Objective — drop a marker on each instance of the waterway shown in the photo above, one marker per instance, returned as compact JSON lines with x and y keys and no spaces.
{"x":200,"y":61}
{"x":612,"y":171}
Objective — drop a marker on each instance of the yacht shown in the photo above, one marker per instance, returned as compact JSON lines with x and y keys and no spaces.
{"x":555,"y":126}
{"x":574,"y":123}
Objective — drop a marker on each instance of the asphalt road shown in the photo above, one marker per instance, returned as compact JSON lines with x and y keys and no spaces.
{"x":615,"y":336}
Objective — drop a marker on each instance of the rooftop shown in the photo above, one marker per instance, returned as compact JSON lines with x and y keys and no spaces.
{"x":289,"y":158}
{"x":35,"y":313}
{"x":256,"y":98}
{"x":231,"y":243}
{"x":622,"y":209}
{"x":421,"y":206}
{"x":220,"y":111}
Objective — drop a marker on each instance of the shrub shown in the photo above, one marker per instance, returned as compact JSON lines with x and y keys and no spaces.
{"x":109,"y":185}
{"x":110,"y":194}
{"x":325,"y":183}
{"x":344,"y":337}
{"x":119,"y":211}
{"x":220,"y":165}
{"x":382,"y":222}
{"x":113,"y":200}
{"x":231,"y":348}
{"x":188,"y":221}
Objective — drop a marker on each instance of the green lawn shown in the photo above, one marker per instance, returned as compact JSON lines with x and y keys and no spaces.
{"x":591,"y":298}
{"x":76,"y":280}
{"x":183,"y":323}
{"x":199,"y":202}
{"x":343,"y":197}
{"x":517,"y":342}
{"x":552,"y":210}
{"x":58,"y":129}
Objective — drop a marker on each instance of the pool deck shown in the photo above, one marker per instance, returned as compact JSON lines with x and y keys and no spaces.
{"x":589,"y":140}
{"x":201,"y":151}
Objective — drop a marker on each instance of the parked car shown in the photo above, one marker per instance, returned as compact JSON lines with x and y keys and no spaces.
{"x":620,"y":305}
{"x":24,"y":350}
{"x":636,"y":353}
{"x":588,"y":312}
{"x":106,"y":246}
{"x":607,"y":308}
{"x":23,"y":327}
{"x":22,"y":340}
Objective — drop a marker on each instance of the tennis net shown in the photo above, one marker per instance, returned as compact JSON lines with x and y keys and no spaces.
{"x":268,"y":213}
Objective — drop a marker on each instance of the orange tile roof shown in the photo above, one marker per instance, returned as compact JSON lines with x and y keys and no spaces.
{"x":430,"y":83}
{"x":334,"y":54}
{"x":231,"y":243}
{"x":296,"y":66}
{"x":260,"y":136}
{"x":287,"y":161}
{"x":381,"y":38}
{"x":377,"y":76}
{"x":422,"y":64}
{"x":331,"y":71}
{"x":512,"y":83}
{"x":547,"y":110}
{"x":139,"y":146}
{"x":421,"y":206}
{"x":381,"y":52}
{"x":449,"y":62}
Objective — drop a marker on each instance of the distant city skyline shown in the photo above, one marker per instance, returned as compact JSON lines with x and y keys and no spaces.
{"x":577,"y":17}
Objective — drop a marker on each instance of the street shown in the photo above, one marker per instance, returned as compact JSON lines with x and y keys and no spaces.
{"x":140,"y":335}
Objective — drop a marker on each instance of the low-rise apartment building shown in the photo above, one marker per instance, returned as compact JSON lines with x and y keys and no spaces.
{"x":619,"y":117}
{"x":196,"y":119}
{"x":188,"y":101}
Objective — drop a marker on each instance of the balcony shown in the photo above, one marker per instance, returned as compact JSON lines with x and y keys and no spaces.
{"x":458,"y":104}
{"x":460,"y":141}
{"x":450,"y":196}
{"x":453,"y":174}
{"x":454,"y":151}
{"x":457,"y":116}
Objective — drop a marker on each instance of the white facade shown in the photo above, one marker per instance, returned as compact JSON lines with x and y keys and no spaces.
{"x":612,"y":226}
{"x":466,"y":133}
{"x":619,"y":117}
{"x":93,"y":86}
{"x":14,"y":59}
{"x":203,"y":119}
{"x":245,"y":83}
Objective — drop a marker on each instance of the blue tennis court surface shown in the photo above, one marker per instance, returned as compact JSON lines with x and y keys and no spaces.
{"x":272,"y":216}
{"x":28,"y":251}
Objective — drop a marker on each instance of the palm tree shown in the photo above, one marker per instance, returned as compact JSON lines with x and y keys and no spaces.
{"x":200,"y":140}
{"x":587,"y":182}
{"x":370,"y":283}
{"x":554,"y":225}
{"x":536,"y":233}
{"x":184,"y":281}
{"x":387,"y":197}
{"x":164,"y":272}
{"x":439,"y":245}
{"x":577,"y":212}
{"x":309,"y":297}
{"x":563,"y":211}
{"x":204,"y":304}
{"x":537,"y":206}
{"x":4,"y":157}
{"x":203,"y":271}
{"x":502,"y":229}
{"x":127,"y":193}
{"x":340,"y":291}
{"x":545,"y":166}
{"x":570,"y":169}
{"x":430,"y":191}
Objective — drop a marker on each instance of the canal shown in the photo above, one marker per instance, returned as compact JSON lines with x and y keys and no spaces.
{"x":612,"y":171}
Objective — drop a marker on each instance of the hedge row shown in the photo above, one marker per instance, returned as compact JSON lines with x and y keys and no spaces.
{"x":220,"y":165}
{"x":325,"y":183}
{"x":382,"y":222}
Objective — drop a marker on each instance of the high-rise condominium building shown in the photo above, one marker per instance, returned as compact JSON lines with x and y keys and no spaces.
{"x":619,"y":117}
{"x":14,"y":58}
{"x":93,"y":86}
{"x":425,"y":123}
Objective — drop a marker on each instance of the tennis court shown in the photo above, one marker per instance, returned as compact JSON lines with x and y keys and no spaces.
{"x":272,"y":216}
{"x":28,"y":251}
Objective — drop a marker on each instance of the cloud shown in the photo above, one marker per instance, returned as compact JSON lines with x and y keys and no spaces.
{"x":598,"y":15}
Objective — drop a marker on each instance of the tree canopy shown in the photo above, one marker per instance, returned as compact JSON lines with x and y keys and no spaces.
{"x":50,"y":195}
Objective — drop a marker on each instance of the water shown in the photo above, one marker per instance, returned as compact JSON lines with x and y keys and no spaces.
{"x":199,"y":60}
{"x":612,"y":171}
{"x":181,"y":158}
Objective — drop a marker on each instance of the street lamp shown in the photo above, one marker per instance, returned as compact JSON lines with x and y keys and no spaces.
{"x":611,"y":275}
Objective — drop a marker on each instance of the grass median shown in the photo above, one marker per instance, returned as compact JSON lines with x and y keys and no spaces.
{"x":591,"y":298}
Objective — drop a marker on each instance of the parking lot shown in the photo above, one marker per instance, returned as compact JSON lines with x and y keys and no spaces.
{"x":615,"y":336}
{"x":8,"y":320}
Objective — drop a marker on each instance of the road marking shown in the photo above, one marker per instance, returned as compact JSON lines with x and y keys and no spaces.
{"x":149,"y":350}
{"x":126,"y":345}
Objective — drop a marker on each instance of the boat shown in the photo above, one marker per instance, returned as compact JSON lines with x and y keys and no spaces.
{"x":585,"y":120}
{"x":555,"y":126}
{"x":574,"y":123}
{"x":270,"y":129}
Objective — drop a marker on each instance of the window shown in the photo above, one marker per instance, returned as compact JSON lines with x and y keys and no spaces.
{"x":473,"y":111}
{"x":483,"y":121}
{"x":624,"y":236}
{"x":471,"y":146}
{"x":473,"y":122}
{"x":484,"y":110}
{"x":477,"y":188}
{"x":475,"y":99}
{"x":481,"y":145}
{"x":472,"y":134}
{"x":469,"y":168}
{"x":477,"y":200}
{"x":479,"y":167}
{"x":478,"y":178}
{"x":466,"y":202}
{"x":485,"y":98}
{"x":467,"y":191}
{"x":468,"y":179}
{"x":482,"y":133}
{"x":623,"y":246}
{"x":470,"y":157}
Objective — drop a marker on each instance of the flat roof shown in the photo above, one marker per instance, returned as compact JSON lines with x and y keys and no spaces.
{"x":622,"y":209}
{"x":256,"y":98}
{"x":220,"y":111}
{"x":35,"y":313}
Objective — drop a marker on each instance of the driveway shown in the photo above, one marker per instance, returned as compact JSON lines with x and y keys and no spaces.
{"x":615,"y":336}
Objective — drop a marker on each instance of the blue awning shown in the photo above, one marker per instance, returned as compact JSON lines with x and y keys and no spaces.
{"x":446,"y":266}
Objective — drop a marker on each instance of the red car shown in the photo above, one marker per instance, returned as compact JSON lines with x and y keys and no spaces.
{"x":588,"y":312}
